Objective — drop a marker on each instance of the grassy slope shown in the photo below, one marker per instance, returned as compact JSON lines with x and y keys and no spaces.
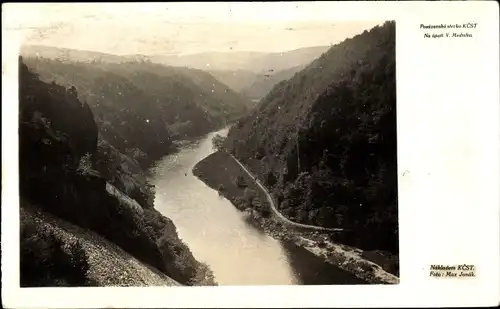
{"x":109,"y":265}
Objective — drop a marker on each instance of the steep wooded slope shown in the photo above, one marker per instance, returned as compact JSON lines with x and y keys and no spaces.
{"x":236,"y":79}
{"x":141,"y":107}
{"x":256,"y":62}
{"x":265,"y":82}
{"x":325,"y":140}
{"x":62,"y":163}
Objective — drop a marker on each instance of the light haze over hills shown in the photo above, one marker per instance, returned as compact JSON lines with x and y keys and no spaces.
{"x":252,"y":73}
{"x":257,"y":62}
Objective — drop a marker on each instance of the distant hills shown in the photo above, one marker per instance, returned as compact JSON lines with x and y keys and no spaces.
{"x":256,"y":73}
{"x":238,"y":80}
{"x":264,"y":83}
{"x":254,"y":85}
{"x":225,"y":61}
{"x":66,"y":54}
{"x":252,"y":74}
{"x":140,"y":105}
{"x":256,"y":62}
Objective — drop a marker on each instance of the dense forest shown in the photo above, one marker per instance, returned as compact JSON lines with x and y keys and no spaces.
{"x":324,"y":141}
{"x":236,"y":79}
{"x":254,"y":86}
{"x":256,"y":74}
{"x":68,"y":171}
{"x":141,"y":108}
{"x":265,"y":82}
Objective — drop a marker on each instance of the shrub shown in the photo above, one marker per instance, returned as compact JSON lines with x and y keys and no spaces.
{"x":367,"y":267}
{"x":240,"y":203}
{"x":265,"y":213}
{"x":221,"y":189}
{"x":178,"y":260}
{"x":85,"y":164}
{"x":248,"y":195}
{"x":218,"y":142}
{"x":204,"y":276}
{"x":322,"y":244}
{"x":44,"y":260}
{"x":240,"y":182}
{"x":271,"y":179}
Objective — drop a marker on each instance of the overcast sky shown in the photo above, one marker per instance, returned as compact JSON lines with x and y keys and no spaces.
{"x":159,"y":28}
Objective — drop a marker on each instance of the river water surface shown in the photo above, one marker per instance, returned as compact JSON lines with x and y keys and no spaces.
{"x":218,"y":234}
{"x":215,"y":231}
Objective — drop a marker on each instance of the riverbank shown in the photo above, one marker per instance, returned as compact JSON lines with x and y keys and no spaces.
{"x":216,"y":232}
{"x":220,"y":172}
{"x":128,"y":183}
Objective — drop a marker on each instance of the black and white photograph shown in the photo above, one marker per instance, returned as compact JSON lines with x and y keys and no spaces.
{"x":160,"y":146}
{"x":198,"y":153}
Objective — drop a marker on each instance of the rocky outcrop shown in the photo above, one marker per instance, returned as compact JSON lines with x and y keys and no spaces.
{"x":123,"y":172}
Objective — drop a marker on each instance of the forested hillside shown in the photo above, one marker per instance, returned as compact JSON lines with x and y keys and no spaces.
{"x":141,"y":107}
{"x":256,"y":62}
{"x":255,"y":77}
{"x":67,"y":171}
{"x":325,"y":140}
{"x":67,"y":54}
{"x":280,"y":61}
{"x":236,"y":79}
{"x":265,"y":82}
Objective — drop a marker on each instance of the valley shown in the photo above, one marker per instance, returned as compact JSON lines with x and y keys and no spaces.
{"x":210,"y":168}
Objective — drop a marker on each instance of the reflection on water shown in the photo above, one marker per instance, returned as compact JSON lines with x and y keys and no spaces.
{"x":252,"y":223}
{"x":237,"y":251}
{"x":311,"y":269}
{"x":215,"y":231}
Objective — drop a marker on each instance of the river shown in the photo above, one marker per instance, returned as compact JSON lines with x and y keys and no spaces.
{"x":219,"y":235}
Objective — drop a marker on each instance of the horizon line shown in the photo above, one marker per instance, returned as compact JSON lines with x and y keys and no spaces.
{"x":174,"y":54}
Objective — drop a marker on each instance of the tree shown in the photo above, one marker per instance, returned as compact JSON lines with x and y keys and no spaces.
{"x":270,"y":178}
{"x":260,"y":153}
{"x":264,"y":212}
{"x":256,"y":203}
{"x":85,"y":164}
{"x":218,"y":142}
{"x":248,"y":195}
{"x":221,"y":189}
{"x":239,"y":181}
